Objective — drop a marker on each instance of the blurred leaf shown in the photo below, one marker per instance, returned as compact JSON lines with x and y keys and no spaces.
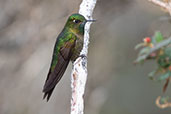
{"x":139,"y":60}
{"x":164,"y":60}
{"x":164,"y":76}
{"x":142,"y":54}
{"x":139,"y":45}
{"x":164,"y":99}
{"x":151,"y":74}
{"x":158,"y":37}
{"x":143,"y":51}
{"x":168,"y":51}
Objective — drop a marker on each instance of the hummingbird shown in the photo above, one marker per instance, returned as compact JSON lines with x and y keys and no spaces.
{"x":67,"y":48}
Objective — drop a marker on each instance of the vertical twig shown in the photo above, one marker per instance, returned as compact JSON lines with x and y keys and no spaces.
{"x":79,"y":71}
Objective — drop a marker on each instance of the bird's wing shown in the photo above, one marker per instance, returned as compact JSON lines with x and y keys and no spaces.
{"x":54,"y":76}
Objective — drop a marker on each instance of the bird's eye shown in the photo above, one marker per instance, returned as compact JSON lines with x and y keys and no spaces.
{"x":76,"y":21}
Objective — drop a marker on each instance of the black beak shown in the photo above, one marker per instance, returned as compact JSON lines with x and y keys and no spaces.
{"x":91,"y":20}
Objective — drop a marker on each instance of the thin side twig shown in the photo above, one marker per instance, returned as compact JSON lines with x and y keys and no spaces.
{"x":155,"y":48}
{"x":165,"y":105}
{"x":163,"y":4}
{"x":79,"y":71}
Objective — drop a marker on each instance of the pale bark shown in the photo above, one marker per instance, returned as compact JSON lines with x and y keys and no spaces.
{"x":165,"y":4}
{"x":79,"y":71}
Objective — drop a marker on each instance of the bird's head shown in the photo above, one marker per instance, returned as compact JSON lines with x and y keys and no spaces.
{"x":76,"y":23}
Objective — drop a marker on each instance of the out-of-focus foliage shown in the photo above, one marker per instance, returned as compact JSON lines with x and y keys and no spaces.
{"x":158,"y":49}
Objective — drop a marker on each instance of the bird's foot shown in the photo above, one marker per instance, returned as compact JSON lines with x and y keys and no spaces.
{"x":83,"y":56}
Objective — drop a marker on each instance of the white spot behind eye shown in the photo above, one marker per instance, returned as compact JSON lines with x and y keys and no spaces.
{"x":74,"y":21}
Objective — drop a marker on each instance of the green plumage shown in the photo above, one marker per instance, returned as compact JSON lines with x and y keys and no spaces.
{"x":68,"y":46}
{"x":67,"y":37}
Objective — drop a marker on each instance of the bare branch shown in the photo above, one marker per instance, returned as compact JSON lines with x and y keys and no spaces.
{"x":79,"y":71}
{"x":165,"y":4}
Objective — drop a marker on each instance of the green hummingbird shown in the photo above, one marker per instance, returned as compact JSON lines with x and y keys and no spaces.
{"x":68,"y":46}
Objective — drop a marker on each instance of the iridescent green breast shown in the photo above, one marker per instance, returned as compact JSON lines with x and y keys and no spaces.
{"x":77,"y":49}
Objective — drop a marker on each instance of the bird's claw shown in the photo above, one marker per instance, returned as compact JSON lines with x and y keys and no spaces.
{"x":83,"y":56}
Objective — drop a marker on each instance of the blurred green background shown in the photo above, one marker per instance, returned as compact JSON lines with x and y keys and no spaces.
{"x":28,"y":30}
